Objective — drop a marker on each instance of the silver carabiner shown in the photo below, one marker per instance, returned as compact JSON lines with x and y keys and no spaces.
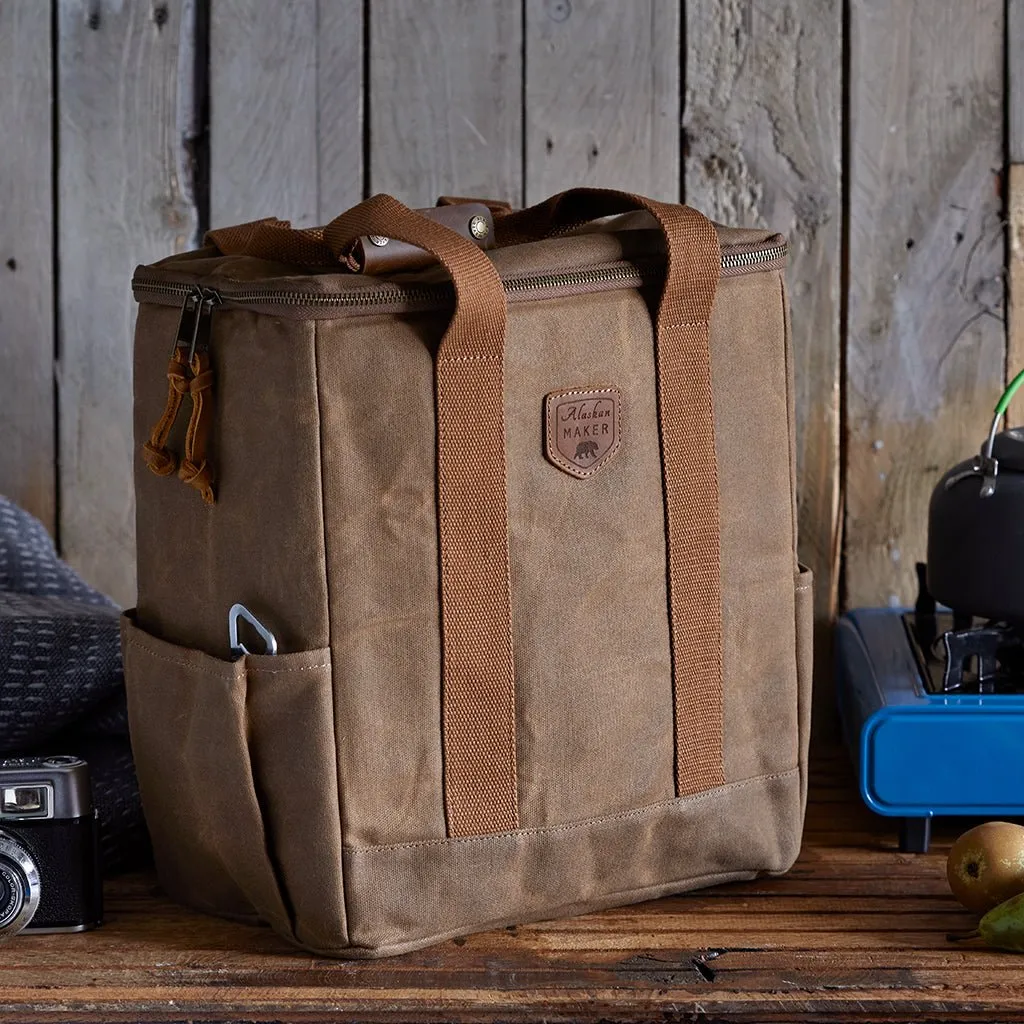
{"x":238,"y":649}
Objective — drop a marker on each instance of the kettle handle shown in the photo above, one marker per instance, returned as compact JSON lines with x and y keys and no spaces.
{"x":1001,"y":407}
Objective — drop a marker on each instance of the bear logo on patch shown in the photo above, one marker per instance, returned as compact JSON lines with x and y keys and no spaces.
{"x":587,"y":450}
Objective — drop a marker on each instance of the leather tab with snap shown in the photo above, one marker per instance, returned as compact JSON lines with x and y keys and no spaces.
{"x":378,"y":254}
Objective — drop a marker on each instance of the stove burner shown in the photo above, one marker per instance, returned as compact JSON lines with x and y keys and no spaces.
{"x":960,"y":655}
{"x":986,"y":658}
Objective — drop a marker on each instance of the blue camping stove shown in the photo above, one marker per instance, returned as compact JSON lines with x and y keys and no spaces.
{"x":932,"y":707}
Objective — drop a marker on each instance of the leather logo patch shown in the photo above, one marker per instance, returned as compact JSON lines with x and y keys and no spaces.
{"x":582,"y":429}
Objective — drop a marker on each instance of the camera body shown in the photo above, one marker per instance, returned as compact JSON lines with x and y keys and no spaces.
{"x":50,"y":875}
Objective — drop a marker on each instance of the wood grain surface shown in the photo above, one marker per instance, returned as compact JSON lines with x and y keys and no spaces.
{"x":925,"y":348}
{"x":1015,"y":289}
{"x":762,"y":142}
{"x":855,"y":932}
{"x":1015,"y":200}
{"x":263,"y":111}
{"x":28,"y":473}
{"x":602,"y":96}
{"x":125,"y":196}
{"x":286,"y":110}
{"x":446,"y":113}
{"x":339,"y":106}
{"x":1015,"y":80}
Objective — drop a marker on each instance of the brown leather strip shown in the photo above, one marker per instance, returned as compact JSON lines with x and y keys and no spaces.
{"x":196,"y":470}
{"x":277,"y":240}
{"x":155,"y":452}
{"x":689,"y":462}
{"x":498,"y":207}
{"x":478,"y":669}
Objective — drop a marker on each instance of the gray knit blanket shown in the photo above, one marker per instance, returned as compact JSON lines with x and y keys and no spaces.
{"x":61,"y":685}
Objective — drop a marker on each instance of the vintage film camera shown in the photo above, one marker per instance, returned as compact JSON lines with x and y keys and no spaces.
{"x":50,"y":877}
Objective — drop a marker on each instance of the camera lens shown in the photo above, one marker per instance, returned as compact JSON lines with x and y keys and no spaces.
{"x":61,"y":761}
{"x":13,"y":889}
{"x":19,"y":885}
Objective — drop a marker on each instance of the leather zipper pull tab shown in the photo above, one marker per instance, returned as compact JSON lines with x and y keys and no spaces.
{"x":155,"y":452}
{"x":195,"y":469}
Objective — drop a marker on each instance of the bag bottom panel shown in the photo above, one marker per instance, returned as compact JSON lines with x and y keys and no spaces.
{"x":409,"y":895}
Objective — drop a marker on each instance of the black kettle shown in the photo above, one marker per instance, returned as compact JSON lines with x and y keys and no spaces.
{"x":976,"y":527}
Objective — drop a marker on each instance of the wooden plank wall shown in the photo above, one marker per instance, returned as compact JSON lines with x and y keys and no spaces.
{"x":124,"y":196}
{"x":762,"y":137}
{"x":926,"y":349}
{"x":1015,"y":196}
{"x":27,"y":411}
{"x":870,"y":131}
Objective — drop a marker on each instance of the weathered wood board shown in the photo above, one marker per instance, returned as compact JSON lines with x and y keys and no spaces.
{"x":1015,"y":289}
{"x":124,"y":197}
{"x":1015,"y":199}
{"x":447,"y":119}
{"x":339,"y":118}
{"x":1015,"y":80}
{"x":602,"y":96}
{"x":285,"y":110}
{"x":925,"y":347}
{"x":762,"y":143}
{"x":27,"y":452}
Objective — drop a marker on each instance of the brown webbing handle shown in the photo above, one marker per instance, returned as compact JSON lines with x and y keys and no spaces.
{"x":479,"y":698}
{"x":689,"y":463}
{"x":478,"y":672}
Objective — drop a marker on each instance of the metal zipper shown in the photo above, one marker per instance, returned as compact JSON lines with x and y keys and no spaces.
{"x":194,"y":323}
{"x":388,"y":295}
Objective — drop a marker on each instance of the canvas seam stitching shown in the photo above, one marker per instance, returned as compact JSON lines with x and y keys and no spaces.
{"x":252,"y":670}
{"x":219,"y":664}
{"x":572,"y":826}
{"x":336,"y":772}
{"x":562,"y":910}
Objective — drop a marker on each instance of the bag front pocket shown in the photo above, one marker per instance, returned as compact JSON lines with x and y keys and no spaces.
{"x":238,"y":777}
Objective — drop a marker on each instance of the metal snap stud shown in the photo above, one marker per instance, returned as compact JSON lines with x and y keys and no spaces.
{"x":478,"y":227}
{"x":379,"y":240}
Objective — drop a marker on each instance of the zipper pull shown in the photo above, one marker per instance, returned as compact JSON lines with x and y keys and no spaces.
{"x":157,"y":456}
{"x":196,"y":470}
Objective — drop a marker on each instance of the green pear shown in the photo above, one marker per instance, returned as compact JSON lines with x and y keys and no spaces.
{"x":1003,"y":926}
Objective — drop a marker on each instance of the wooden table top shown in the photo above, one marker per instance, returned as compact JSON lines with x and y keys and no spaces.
{"x":856,"y":931}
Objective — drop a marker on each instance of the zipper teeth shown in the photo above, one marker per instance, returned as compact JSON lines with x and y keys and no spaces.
{"x":390,"y":294}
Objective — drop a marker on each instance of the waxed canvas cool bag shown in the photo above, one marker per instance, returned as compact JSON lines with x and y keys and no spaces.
{"x":514,"y":494}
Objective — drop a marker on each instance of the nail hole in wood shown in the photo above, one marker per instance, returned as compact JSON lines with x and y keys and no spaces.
{"x":12,"y":264}
{"x":160,"y":15}
{"x":958,"y":238}
{"x":94,"y":18}
{"x":559,"y":10}
{"x":910,"y":243}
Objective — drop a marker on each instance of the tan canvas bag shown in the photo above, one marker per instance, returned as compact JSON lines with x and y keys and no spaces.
{"x":521,"y":519}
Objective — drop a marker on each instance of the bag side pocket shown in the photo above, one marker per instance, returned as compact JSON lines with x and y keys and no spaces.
{"x":189,"y":732}
{"x":295,"y":769}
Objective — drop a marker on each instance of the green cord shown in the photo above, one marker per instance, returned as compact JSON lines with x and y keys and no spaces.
{"x":1011,"y":390}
